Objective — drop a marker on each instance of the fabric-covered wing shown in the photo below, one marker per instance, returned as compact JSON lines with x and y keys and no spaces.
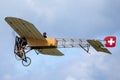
{"x":28,"y":30}
{"x":52,"y":51}
{"x":98,"y":46}
{"x":24,"y":28}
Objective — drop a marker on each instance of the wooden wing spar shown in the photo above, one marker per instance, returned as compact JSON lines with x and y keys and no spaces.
{"x":33,"y":36}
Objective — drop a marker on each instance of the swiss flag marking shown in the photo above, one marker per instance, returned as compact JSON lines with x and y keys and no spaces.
{"x":110,"y":41}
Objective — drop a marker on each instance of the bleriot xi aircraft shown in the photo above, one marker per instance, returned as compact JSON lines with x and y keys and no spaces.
{"x":29,"y":38}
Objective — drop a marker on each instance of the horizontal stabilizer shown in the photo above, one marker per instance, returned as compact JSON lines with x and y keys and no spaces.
{"x":98,"y":46}
{"x":53,"y":52}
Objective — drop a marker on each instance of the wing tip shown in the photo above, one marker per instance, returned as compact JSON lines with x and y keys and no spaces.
{"x":7,"y":18}
{"x":61,"y":55}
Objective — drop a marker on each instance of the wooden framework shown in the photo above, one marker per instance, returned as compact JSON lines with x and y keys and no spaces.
{"x":73,"y":43}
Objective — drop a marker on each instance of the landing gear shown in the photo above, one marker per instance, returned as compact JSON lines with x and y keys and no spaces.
{"x":26,"y":61}
{"x":20,"y":54}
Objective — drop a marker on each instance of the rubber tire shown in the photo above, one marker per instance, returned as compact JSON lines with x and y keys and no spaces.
{"x":28,"y":62}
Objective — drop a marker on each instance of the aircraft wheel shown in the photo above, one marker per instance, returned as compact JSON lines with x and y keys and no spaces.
{"x":26,"y":62}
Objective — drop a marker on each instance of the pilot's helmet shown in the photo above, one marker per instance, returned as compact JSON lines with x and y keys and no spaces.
{"x":44,"y":33}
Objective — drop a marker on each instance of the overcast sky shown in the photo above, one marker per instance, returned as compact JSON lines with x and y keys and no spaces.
{"x":94,"y":19}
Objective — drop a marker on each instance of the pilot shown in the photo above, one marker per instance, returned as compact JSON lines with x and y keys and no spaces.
{"x":45,"y":35}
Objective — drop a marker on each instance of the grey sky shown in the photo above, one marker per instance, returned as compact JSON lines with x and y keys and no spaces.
{"x":62,"y":18}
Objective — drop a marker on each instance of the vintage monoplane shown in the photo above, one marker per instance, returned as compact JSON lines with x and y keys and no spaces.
{"x":36,"y":41}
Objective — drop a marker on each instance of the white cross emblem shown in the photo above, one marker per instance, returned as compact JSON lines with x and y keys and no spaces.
{"x":111,"y":41}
